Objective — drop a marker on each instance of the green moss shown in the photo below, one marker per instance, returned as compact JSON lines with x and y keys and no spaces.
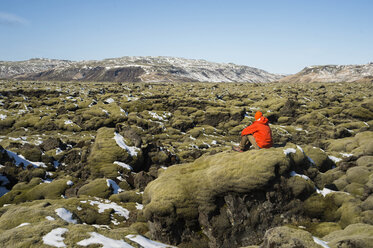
{"x":355,"y":235}
{"x":34,"y":191}
{"x":127,"y":196}
{"x":105,"y":152}
{"x":186,"y":187}
{"x":323,"y":228}
{"x":97,"y":187}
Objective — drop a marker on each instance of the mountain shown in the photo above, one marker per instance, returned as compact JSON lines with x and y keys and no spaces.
{"x":9,"y":69}
{"x":135,"y":69}
{"x":331,"y":73}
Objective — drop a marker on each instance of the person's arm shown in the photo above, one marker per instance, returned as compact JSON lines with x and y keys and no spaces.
{"x":249,"y":130}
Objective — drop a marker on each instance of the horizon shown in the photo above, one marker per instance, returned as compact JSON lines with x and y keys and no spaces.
{"x":278,"y":37}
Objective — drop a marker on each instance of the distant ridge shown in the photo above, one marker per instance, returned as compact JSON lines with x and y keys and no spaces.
{"x":134,"y":69}
{"x":331,"y":73}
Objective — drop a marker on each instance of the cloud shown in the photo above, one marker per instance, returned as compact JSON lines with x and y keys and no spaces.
{"x":10,"y":19}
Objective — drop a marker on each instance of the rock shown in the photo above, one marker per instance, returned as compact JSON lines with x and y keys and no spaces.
{"x":319,"y":157}
{"x":286,"y":237}
{"x":97,"y":187}
{"x":205,"y":193}
{"x":300,"y":187}
{"x":142,"y":179}
{"x":356,"y":235}
{"x":105,"y":151}
{"x":52,"y":143}
{"x":366,"y":161}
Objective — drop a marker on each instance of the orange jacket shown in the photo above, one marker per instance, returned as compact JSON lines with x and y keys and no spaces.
{"x":261,"y":132}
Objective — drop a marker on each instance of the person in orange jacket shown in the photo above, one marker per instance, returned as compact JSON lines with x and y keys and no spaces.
{"x":259,"y":134}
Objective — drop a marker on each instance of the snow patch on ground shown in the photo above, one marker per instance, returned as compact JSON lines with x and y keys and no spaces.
{"x":97,"y":238}
{"x":70,"y":183}
{"x":110,"y":205}
{"x":335,"y":159}
{"x":2,"y":117}
{"x":109,"y":100}
{"x":293,"y":174}
{"x":50,"y":218}
{"x":289,"y":150}
{"x":144,"y":242}
{"x":23,"y":224}
{"x":54,"y":237}
{"x":66,"y":215}
{"x":132,"y":150}
{"x":139,"y":206}
{"x":321,"y":242}
{"x":124,"y":165}
{"x":69,"y":122}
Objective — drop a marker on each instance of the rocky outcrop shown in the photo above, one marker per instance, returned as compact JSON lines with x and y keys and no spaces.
{"x":332,"y":73}
{"x":230,"y":198}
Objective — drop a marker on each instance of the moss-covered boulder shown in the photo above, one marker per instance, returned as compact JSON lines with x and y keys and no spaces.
{"x":319,"y":158}
{"x":356,"y":235}
{"x":182,"y":193}
{"x":288,"y":237}
{"x":35,"y":190}
{"x":98,"y":187}
{"x":110,"y":147}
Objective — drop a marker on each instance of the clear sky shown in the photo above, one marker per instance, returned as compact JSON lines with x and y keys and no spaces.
{"x":280,"y":36}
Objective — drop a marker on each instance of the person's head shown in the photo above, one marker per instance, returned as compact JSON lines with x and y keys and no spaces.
{"x":258,"y":114}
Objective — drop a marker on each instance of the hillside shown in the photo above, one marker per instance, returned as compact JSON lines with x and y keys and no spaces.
{"x":331,"y":73}
{"x":135,"y":69}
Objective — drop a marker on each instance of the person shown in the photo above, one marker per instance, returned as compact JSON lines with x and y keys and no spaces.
{"x":258,"y":134}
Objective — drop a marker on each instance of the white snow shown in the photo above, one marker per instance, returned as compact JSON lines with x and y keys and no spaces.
{"x":50,"y":218}
{"x":114,"y":186}
{"x":214,"y":142}
{"x":54,"y":237}
{"x":111,"y":205}
{"x":325,"y":191}
{"x":320,"y":242}
{"x":70,"y":183}
{"x":335,"y":159}
{"x":97,"y":238}
{"x":2,"y":117}
{"x":293,"y":174}
{"x":289,"y":150}
{"x":58,"y":151}
{"x":124,"y":165}
{"x":144,"y":242}
{"x":139,"y":206}
{"x":300,"y":148}
{"x":346,"y":154}
{"x":109,"y":100}
{"x":69,"y":122}
{"x":132,"y":150}
{"x":66,"y":215}
{"x":23,"y":224}
{"x":158,"y":117}
{"x":19,"y":159}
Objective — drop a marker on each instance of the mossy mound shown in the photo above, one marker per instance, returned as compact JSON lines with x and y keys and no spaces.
{"x":189,"y":187}
{"x":97,"y":187}
{"x":288,"y":237}
{"x":356,"y":235}
{"x":319,"y":158}
{"x":35,"y":190}
{"x":106,"y":151}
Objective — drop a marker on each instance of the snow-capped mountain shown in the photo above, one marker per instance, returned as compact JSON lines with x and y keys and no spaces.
{"x":134,"y":69}
{"x":331,"y":73}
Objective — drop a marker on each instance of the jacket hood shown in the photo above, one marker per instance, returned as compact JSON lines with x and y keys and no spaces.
{"x":263,"y":120}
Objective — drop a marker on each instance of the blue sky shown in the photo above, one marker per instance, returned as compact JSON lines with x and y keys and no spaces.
{"x":281,"y":36}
